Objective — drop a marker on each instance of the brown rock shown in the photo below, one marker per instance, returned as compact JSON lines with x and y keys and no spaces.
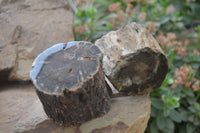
{"x":7,"y":62}
{"x":20,"y":107}
{"x":32,"y":26}
{"x":45,"y":4}
{"x":31,"y":5}
{"x":21,"y":111}
{"x":8,"y":53}
{"x":133,"y":60}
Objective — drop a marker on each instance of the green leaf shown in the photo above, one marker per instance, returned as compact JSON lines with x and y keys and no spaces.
{"x":198,"y":28}
{"x":160,"y":122}
{"x":182,"y":129}
{"x":197,"y":106}
{"x":198,"y":95}
{"x":190,"y":93}
{"x":180,"y":25}
{"x":171,"y":81}
{"x":195,"y":8}
{"x":165,"y":99}
{"x":144,"y":9}
{"x":154,"y":112}
{"x":185,"y":115}
{"x":196,"y":123}
{"x":103,"y":2}
{"x":192,"y":35}
{"x":166,"y":112}
{"x":175,"y":116}
{"x":170,"y":124}
{"x":164,"y":20}
{"x":157,"y":103}
{"x":92,"y":11}
{"x":190,"y":128}
{"x":153,"y":127}
{"x":109,"y":26}
{"x":192,"y":109}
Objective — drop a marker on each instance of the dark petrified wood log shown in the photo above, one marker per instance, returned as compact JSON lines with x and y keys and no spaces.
{"x":133,"y":60}
{"x":70,"y":82}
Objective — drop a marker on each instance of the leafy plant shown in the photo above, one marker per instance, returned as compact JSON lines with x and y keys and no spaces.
{"x":176,"y":105}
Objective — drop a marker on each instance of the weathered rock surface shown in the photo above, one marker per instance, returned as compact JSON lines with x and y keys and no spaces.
{"x":133,"y":60}
{"x":7,"y":63}
{"x":20,"y":108}
{"x":27,"y":28}
{"x":21,"y":111}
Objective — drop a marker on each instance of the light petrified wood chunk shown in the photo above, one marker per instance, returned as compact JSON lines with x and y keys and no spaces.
{"x":133,"y":60}
{"x":70,"y":82}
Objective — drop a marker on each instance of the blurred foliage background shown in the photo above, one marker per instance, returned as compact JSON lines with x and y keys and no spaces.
{"x":176,"y":26}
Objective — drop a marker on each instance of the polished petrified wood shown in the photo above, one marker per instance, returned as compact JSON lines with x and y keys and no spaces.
{"x":70,"y":82}
{"x":133,"y":60}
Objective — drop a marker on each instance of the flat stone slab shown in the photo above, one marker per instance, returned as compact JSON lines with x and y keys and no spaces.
{"x":28,"y":27}
{"x":20,"y":107}
{"x":21,"y":111}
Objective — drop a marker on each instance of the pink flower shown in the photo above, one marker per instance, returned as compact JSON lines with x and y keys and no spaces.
{"x":143,"y":16}
{"x":162,"y":40}
{"x":151,"y":26}
{"x":171,"y":36}
{"x":188,"y":84}
{"x":182,"y":76}
{"x":127,"y":1}
{"x":186,"y":42}
{"x":196,"y":52}
{"x":120,"y":15}
{"x":78,"y":2}
{"x":80,"y":29}
{"x":181,"y":51}
{"x":114,"y":7}
{"x":128,"y":8}
{"x":195,"y":86}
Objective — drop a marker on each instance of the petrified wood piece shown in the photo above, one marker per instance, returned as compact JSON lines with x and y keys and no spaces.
{"x":133,"y":60}
{"x":70,"y":82}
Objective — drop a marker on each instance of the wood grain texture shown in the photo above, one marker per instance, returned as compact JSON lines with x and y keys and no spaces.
{"x":133,"y":60}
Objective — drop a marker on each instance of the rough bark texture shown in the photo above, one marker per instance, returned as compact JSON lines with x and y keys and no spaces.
{"x":133,"y":60}
{"x":70,"y":83}
{"x":28,"y":27}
